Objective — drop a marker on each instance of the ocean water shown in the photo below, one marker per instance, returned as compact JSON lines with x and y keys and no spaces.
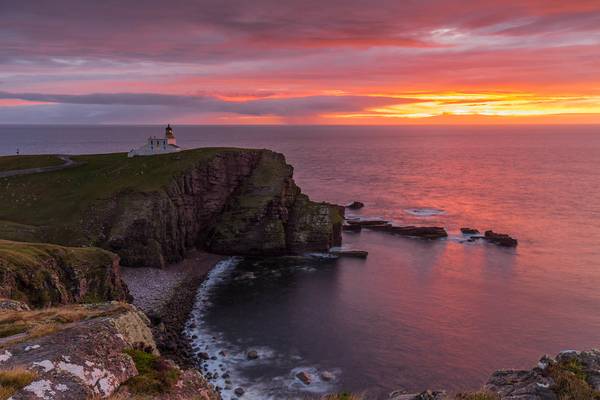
{"x":415,"y":314}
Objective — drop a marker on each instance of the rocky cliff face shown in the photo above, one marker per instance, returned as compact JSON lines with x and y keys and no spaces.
{"x":238,"y":202}
{"x":44,"y":275}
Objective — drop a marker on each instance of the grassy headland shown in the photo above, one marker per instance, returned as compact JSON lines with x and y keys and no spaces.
{"x":12,"y":163}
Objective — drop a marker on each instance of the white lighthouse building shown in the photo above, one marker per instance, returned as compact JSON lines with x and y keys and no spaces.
{"x":155,"y":145}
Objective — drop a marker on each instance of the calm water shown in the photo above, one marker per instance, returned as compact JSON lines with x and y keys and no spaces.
{"x":415,"y":314}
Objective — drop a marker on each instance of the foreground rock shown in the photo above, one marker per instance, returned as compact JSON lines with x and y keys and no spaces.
{"x":152,"y":211}
{"x":82,"y":359}
{"x":42,"y":275}
{"x":92,"y":354}
{"x":500,"y":239}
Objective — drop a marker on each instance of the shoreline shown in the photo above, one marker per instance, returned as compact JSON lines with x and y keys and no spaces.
{"x":167,"y":296}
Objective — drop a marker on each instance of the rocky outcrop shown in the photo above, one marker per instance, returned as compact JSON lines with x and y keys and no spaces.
{"x":237,"y":202}
{"x":83,"y":360}
{"x":570,"y":375}
{"x":92,"y":357}
{"x":43,"y":275}
{"x":501,"y":239}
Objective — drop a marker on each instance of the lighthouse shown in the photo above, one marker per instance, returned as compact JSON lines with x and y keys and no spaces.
{"x":155,"y":145}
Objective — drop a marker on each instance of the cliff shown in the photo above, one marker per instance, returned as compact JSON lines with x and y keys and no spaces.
{"x":152,"y":210}
{"x":43,"y":274}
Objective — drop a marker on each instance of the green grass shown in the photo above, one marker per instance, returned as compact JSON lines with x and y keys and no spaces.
{"x":13,"y":380}
{"x":155,"y":375}
{"x":61,"y":197}
{"x":11,"y":163}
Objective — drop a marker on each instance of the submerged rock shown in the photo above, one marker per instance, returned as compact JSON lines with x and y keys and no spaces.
{"x":367,"y":222}
{"x":501,"y":239}
{"x":425,"y":232}
{"x":252,"y":355}
{"x":352,"y":228}
{"x":355,"y":205}
{"x":350,"y":253}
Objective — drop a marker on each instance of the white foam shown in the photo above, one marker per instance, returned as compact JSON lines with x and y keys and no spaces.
{"x":232,"y":358}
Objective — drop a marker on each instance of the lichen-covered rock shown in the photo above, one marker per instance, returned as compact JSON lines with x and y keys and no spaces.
{"x":84,"y":360}
{"x":13,"y":305}
{"x":43,"y":274}
{"x":552,"y":379}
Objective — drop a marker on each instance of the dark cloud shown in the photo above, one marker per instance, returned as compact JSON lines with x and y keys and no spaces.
{"x":178,"y":105}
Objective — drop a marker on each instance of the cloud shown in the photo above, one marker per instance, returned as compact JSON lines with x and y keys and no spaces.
{"x":172,"y":106}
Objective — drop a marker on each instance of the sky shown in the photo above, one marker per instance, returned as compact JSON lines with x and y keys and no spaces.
{"x":299,"y":61}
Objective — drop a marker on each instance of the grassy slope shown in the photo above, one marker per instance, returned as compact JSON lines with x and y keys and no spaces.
{"x":11,"y":163}
{"x":60,"y":197}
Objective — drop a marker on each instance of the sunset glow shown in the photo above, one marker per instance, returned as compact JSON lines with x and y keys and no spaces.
{"x":340,"y":62}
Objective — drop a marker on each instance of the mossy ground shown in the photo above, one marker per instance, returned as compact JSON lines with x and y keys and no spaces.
{"x":155,"y":375}
{"x":60,"y":198}
{"x":14,"y":379}
{"x":11,"y":163}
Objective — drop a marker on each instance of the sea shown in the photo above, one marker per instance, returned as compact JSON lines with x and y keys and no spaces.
{"x":415,"y":314}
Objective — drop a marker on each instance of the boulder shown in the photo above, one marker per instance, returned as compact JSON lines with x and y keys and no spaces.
{"x":501,"y":239}
{"x":469,"y":231}
{"x":252,"y":355}
{"x":327,"y":376}
{"x":304,"y":377}
{"x":355,"y":205}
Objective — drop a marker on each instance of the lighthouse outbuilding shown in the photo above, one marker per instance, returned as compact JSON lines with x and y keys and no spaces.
{"x":154,"y":145}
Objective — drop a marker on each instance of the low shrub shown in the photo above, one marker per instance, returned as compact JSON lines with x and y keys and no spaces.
{"x":155,"y":374}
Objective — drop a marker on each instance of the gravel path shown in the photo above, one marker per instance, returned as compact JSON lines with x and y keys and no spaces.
{"x":68,"y":163}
